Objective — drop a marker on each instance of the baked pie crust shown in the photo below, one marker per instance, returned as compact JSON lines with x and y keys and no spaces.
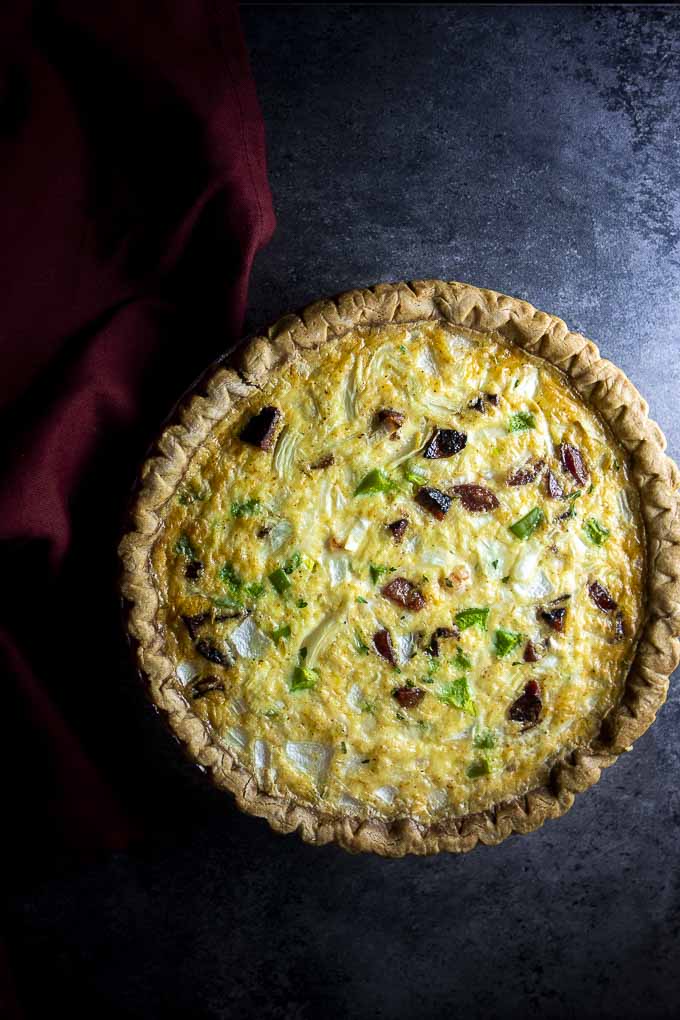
{"x":481,"y":805}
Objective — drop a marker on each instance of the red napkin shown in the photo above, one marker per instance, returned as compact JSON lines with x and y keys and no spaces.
{"x":133,"y":197}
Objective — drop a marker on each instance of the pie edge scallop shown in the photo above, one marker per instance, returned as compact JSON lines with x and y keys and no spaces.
{"x":599,"y":382}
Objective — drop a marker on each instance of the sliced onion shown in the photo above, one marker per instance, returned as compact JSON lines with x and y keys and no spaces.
{"x":386,"y":794}
{"x":490,"y":551}
{"x":527,"y":562}
{"x":349,"y":804}
{"x":185,"y":672}
{"x":239,"y":705}
{"x":249,"y":641}
{"x":457,"y":343}
{"x":352,"y":385}
{"x":310,"y":757}
{"x":413,"y":446}
{"x":426,"y":361}
{"x":537,"y":588}
{"x":624,"y":505}
{"x":279,"y":534}
{"x":437,"y":800}
{"x":405,"y":645}
{"x":237,"y":737}
{"x":528,"y":383}
{"x":357,"y":534}
{"x":317,"y":640}
{"x":338,"y":569}
{"x":284,"y":452}
{"x":261,"y":757}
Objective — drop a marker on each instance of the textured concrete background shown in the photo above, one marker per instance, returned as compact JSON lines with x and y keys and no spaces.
{"x":533,"y":150}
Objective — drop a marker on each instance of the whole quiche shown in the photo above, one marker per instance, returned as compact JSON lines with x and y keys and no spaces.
{"x":406,"y":576}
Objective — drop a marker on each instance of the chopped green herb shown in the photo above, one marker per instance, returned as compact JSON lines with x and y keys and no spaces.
{"x":368,"y":707}
{"x":254,"y":590}
{"x":480,"y":767}
{"x":461,"y":660}
{"x":457,"y":694}
{"x":360,"y":598}
{"x":183,"y":547}
{"x":360,"y":644}
{"x":281,"y":632}
{"x":189,"y":494}
{"x":402,"y":348}
{"x":343,"y":747}
{"x":246,"y":509}
{"x":590,"y":488}
{"x":293,"y":563}
{"x":571,"y":512}
{"x":301,"y":604}
{"x":505,"y":641}
{"x":375,"y":481}
{"x":279,"y":580}
{"x":401,"y":717}
{"x":494,"y":563}
{"x":472,"y":618}
{"x":271,"y":713}
{"x":229,"y":577}
{"x":485,"y":740}
{"x":376,"y":571}
{"x":596,"y":532}
{"x":504,"y":580}
{"x":303,"y":679}
{"x":525,"y":526}
{"x":521,"y":421}
{"x":433,"y":666}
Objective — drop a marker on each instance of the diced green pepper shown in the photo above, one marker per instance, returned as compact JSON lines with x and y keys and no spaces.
{"x":461,"y":660}
{"x":293,"y":563}
{"x":525,"y":526}
{"x":521,"y":421}
{"x":457,"y":694}
{"x":505,"y":641}
{"x":375,"y":481}
{"x":472,"y":618}
{"x":280,"y":581}
{"x":485,"y":740}
{"x":596,"y":532}
{"x":281,"y":632}
{"x":480,"y":767}
{"x":303,"y":679}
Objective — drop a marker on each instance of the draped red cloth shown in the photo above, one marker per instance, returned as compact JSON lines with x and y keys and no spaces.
{"x":133,"y":198}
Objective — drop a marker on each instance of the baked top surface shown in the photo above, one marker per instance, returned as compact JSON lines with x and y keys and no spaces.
{"x":274,"y":570}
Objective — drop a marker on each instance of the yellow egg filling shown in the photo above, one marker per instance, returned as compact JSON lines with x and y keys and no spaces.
{"x":424,"y":588}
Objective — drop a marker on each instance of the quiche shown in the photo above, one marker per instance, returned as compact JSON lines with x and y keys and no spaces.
{"x":405,"y":575}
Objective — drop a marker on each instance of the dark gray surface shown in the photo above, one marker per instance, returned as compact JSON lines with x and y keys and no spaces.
{"x":535,"y":151}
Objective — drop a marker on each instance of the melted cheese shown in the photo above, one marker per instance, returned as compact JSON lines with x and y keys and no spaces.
{"x":341,"y":738}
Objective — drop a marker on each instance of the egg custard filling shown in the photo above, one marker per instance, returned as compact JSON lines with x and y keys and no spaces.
{"x":406,"y":576}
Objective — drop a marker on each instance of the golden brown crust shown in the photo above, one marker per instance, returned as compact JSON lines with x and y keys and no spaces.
{"x":598,"y":381}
